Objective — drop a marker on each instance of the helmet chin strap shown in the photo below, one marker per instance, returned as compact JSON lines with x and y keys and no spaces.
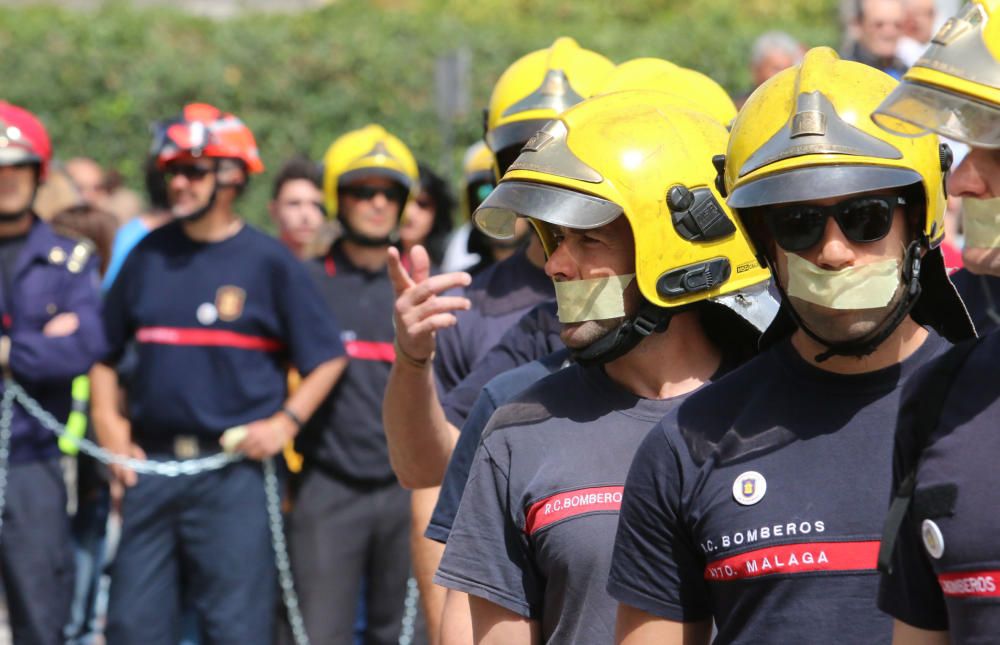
{"x":354,"y":236}
{"x":623,"y":338}
{"x":204,"y":210}
{"x":869,"y":342}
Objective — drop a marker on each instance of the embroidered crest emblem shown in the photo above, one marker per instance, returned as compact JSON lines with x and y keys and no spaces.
{"x":749,"y":488}
{"x":229,"y":301}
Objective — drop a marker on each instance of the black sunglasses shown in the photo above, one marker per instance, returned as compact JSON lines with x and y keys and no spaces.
{"x":392,"y":193}
{"x":191,"y":172}
{"x":862,"y":219}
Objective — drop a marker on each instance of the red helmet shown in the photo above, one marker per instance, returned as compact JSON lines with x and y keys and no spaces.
{"x":23,"y":139}
{"x":205,"y":131}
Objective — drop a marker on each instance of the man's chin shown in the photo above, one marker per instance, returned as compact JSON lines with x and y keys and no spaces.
{"x":840,"y":325}
{"x":583,"y":334}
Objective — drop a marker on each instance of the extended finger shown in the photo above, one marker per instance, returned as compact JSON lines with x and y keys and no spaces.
{"x":401,"y":280}
{"x":420,"y":263}
{"x":439,"y":305}
{"x":433,"y":323}
{"x":432,"y":286}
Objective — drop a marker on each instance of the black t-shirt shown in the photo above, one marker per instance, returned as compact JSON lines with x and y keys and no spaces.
{"x":345,"y":436}
{"x":535,"y":336}
{"x":981,"y":294}
{"x":535,"y":527}
{"x":759,"y":502}
{"x":216,"y":326}
{"x":497,"y":391}
{"x":946,"y":566}
{"x":500,"y":295}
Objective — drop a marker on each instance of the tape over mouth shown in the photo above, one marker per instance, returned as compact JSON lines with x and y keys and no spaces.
{"x":592,"y":299}
{"x":869,"y":286}
{"x":981,"y":223}
{"x":915,"y":109}
{"x":553,"y":205}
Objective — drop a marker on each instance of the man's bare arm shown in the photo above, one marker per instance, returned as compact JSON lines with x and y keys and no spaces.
{"x":636,"y":627}
{"x":904,"y":634}
{"x":456,"y":620}
{"x":419,"y":436}
{"x":495,"y":625}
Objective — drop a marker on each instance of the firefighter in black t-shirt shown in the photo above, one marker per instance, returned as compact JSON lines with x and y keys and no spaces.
{"x":754,"y":505}
{"x":944,"y":580}
{"x":351,"y":518}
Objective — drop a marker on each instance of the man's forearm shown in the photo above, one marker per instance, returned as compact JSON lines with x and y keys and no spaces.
{"x":315,"y":387}
{"x":420,"y":438}
{"x":104,"y":407}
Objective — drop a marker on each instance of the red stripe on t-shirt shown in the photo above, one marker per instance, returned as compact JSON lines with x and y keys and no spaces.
{"x":330,"y":266}
{"x":803,"y":557}
{"x":571,"y":503}
{"x":206,"y":338}
{"x":970,"y":584}
{"x":365,"y":350}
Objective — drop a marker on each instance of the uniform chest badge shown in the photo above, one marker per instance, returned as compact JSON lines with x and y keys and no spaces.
{"x":749,"y":488}
{"x":206,"y":313}
{"x":933,"y":539}
{"x":229,"y":301}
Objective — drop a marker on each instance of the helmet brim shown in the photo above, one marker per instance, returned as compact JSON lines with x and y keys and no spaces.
{"x":553,"y":205}
{"x":358,"y":174}
{"x":13,"y":155}
{"x":819,"y":182}
{"x":915,"y":109}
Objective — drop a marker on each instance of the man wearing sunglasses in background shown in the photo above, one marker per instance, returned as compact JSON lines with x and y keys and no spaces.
{"x":758,"y":502}
{"x":351,"y":518}
{"x":943,"y":580}
{"x":217,"y":311}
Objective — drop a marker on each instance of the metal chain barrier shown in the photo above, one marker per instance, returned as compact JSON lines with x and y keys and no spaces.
{"x":6,"y":419}
{"x":14,"y":392}
{"x":411,"y":605}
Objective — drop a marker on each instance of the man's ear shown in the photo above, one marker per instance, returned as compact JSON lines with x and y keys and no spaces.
{"x":231,"y":174}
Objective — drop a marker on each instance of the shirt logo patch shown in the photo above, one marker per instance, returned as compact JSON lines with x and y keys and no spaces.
{"x":970,"y":584}
{"x":933,"y":539}
{"x":749,"y":488}
{"x":572,"y":503}
{"x":206,"y":313}
{"x":229,"y":302}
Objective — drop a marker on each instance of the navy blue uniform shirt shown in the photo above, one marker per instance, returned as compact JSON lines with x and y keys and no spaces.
{"x":496,"y":392}
{"x":345,"y":437}
{"x":51,"y":275}
{"x":500,"y":295}
{"x":216,"y":326}
{"x":946,"y":566}
{"x":759,"y":502}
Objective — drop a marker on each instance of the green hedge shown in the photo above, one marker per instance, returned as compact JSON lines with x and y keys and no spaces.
{"x":98,"y":78}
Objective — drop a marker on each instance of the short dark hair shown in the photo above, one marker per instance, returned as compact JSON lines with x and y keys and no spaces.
{"x":298,"y":167}
{"x":444,"y":203}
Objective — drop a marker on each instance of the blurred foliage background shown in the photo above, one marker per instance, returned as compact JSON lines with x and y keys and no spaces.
{"x":97,"y":78}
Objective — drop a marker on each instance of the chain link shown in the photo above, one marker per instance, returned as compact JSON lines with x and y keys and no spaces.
{"x":410,"y":608}
{"x":6,"y":419}
{"x":14,"y":392}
